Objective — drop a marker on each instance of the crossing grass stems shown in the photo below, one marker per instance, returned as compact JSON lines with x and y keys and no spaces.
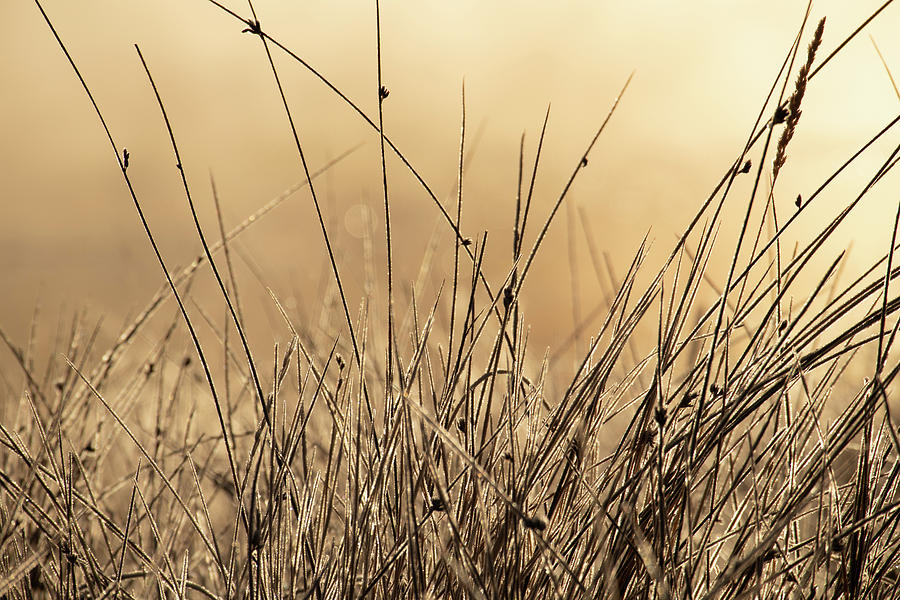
{"x":432,"y":454}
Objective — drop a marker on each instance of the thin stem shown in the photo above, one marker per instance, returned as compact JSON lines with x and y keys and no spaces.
{"x":153,"y":244}
{"x":382,"y":96}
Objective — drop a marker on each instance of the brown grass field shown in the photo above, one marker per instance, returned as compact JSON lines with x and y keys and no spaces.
{"x":280,"y":326}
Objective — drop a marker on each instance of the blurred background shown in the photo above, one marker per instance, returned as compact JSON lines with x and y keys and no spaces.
{"x":70,"y":239}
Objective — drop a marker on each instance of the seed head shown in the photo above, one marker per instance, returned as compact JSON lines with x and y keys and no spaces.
{"x":794,"y":101}
{"x":535,"y":523}
{"x":660,"y":415}
{"x":687,"y":399}
{"x":781,"y":114}
{"x":252,"y":27}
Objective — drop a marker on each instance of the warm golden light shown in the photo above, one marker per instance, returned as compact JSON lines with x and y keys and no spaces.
{"x":702,"y":70}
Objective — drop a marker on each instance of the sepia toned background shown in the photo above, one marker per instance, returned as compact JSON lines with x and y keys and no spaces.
{"x":70,"y":239}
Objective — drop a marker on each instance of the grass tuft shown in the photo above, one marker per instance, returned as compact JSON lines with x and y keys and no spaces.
{"x":724,"y":434}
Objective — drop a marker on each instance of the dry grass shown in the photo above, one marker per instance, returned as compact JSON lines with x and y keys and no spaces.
{"x":737,"y":452}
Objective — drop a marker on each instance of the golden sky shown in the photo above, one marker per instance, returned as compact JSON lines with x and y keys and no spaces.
{"x":70,"y":235}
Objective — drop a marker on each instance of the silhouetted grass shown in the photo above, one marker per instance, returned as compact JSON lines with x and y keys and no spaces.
{"x":410,"y":459}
